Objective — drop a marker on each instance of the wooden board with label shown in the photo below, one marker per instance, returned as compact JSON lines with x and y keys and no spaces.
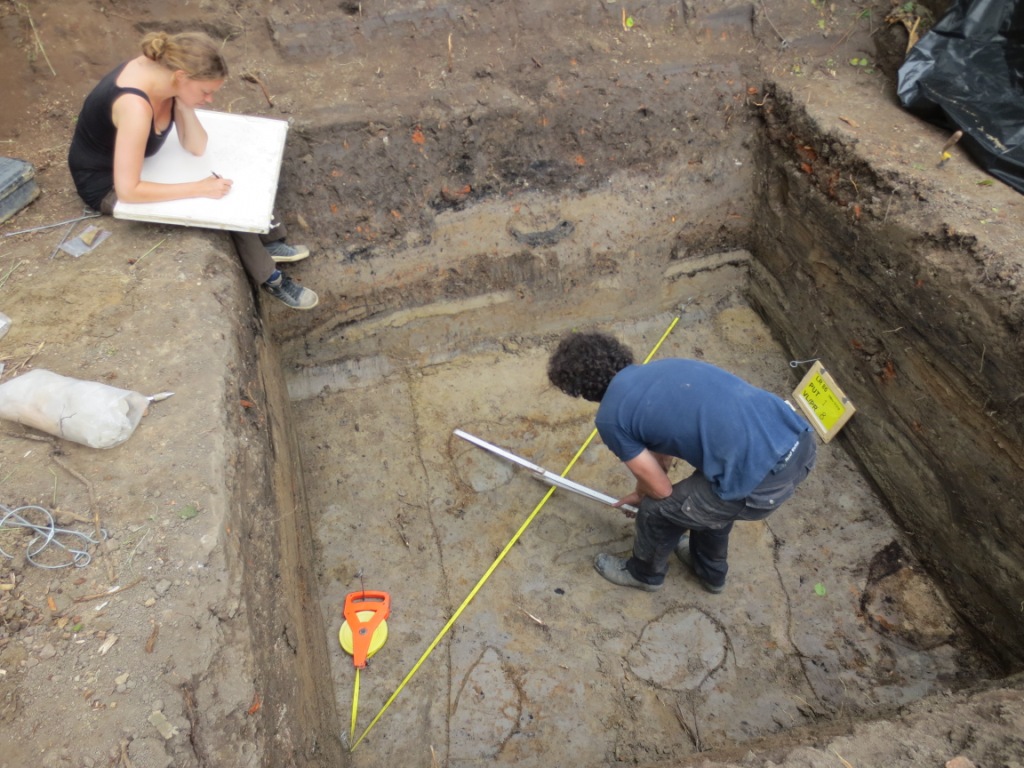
{"x":822,"y":402}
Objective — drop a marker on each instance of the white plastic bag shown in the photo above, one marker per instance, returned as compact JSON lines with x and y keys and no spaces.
{"x":86,"y":412}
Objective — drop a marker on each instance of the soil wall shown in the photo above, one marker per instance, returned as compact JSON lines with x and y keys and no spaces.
{"x":921,"y":327}
{"x":298,"y":715}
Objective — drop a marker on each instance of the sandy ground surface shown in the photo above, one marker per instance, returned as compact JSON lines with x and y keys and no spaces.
{"x":549,"y":664}
{"x":144,"y":656}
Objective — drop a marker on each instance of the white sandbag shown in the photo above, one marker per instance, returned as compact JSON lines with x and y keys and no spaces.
{"x":5,"y":324}
{"x":86,"y":412}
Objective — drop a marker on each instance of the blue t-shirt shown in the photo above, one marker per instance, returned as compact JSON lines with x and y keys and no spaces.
{"x":731,"y":431}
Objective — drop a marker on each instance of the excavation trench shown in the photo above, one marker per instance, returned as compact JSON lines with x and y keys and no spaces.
{"x":882,"y":582}
{"x":474,"y":180}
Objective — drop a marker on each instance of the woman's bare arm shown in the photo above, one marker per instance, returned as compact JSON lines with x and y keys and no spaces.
{"x":133,"y":118}
{"x":191,"y":133}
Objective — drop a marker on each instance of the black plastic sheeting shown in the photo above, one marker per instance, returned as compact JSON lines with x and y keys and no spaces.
{"x":967,"y":72}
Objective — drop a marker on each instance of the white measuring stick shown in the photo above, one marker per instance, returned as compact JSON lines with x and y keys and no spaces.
{"x":544,"y":476}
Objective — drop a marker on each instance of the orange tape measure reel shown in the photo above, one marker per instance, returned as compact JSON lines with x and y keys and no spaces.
{"x":364,"y":630}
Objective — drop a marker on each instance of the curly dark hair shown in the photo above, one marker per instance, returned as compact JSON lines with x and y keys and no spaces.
{"x":584,"y":364}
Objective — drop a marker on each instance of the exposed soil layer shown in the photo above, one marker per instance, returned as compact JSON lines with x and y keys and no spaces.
{"x":464,"y":171}
{"x":925,"y":319}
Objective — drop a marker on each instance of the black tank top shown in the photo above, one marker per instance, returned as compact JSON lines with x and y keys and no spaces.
{"x":91,"y":157}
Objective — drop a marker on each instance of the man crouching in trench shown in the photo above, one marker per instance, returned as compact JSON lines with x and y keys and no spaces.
{"x":749,"y":448}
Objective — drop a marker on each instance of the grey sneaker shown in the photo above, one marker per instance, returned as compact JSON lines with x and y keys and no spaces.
{"x":614,"y":569}
{"x":279,"y":250}
{"x":683,"y":553}
{"x":291,"y":293}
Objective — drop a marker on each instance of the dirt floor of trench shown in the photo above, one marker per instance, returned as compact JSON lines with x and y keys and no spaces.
{"x":825,"y":615}
{"x":166,"y":649}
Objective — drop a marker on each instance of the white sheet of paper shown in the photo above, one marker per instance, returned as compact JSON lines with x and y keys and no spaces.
{"x":246,"y":149}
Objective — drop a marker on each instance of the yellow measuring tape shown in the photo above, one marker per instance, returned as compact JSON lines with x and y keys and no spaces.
{"x":494,"y":565}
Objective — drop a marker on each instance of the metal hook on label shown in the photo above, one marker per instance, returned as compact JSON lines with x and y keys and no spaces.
{"x":795,"y":363}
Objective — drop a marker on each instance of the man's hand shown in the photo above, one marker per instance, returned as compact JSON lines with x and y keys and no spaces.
{"x":651,"y":479}
{"x":632,"y":500}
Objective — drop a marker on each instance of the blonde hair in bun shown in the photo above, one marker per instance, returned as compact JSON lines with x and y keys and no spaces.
{"x":194,"y":53}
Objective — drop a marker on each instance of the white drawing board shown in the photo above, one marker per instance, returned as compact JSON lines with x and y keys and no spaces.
{"x":248,"y":150}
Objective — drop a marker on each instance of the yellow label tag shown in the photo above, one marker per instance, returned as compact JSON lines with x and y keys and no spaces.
{"x":823,"y":403}
{"x":827,"y":408}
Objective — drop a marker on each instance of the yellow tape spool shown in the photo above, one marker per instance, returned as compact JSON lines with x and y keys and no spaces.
{"x":379,"y":636}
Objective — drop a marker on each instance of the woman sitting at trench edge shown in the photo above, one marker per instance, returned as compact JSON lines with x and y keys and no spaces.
{"x":127,"y":117}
